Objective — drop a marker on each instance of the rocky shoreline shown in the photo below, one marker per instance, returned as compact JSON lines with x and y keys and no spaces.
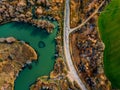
{"x":13,"y":57}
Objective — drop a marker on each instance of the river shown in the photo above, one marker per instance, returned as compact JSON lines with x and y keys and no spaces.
{"x":33,"y":36}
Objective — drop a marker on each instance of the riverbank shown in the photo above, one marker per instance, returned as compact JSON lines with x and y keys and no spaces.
{"x":21,"y":11}
{"x":13,"y":57}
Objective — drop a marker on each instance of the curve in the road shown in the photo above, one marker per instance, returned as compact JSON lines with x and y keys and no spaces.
{"x":71,"y":67}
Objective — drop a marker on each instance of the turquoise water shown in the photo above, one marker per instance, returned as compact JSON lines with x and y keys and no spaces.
{"x":33,"y":36}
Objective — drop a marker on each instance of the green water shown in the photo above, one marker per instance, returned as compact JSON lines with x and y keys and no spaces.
{"x":32,"y":35}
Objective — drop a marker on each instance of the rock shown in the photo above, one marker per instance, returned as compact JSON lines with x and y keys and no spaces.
{"x":10,"y":39}
{"x":28,"y":62}
{"x":2,"y":40}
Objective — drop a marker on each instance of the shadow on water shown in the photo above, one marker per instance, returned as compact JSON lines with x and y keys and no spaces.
{"x":36,"y":31}
{"x":42,"y":33}
{"x":20,"y":25}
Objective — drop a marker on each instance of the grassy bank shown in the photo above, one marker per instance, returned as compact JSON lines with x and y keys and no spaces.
{"x":109,"y":25}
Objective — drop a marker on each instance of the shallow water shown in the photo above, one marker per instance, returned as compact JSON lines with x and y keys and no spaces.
{"x":33,"y":36}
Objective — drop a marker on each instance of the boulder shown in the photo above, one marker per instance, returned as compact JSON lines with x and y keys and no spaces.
{"x":10,"y":39}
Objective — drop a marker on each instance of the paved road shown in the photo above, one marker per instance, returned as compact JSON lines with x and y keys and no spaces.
{"x":72,"y":70}
{"x":96,"y":11}
{"x":67,"y":31}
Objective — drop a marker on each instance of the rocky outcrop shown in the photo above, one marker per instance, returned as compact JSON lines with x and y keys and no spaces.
{"x":7,"y":40}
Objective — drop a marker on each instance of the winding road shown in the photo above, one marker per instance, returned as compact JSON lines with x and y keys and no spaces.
{"x":72,"y":71}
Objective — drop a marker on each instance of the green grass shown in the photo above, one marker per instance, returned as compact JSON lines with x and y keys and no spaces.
{"x":109,"y":25}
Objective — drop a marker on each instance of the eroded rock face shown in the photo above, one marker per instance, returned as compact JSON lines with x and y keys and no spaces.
{"x":13,"y":56}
